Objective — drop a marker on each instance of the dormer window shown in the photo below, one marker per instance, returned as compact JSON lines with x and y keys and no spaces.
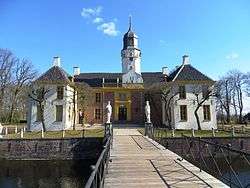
{"x":204,"y":91}
{"x":182,"y":92}
{"x":60,"y":92}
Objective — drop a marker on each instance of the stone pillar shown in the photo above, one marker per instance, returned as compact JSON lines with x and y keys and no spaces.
{"x":173,"y":132}
{"x":193,"y":134}
{"x":21,"y":133}
{"x":42,"y":133}
{"x":213,"y":132}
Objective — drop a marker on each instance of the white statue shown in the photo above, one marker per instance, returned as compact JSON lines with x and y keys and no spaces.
{"x":1,"y":130}
{"x":109,"y":112}
{"x":147,"y":112}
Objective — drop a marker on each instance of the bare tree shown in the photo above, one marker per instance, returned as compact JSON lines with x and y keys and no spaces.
{"x":80,"y":96}
{"x":165,"y":92}
{"x":239,"y":82}
{"x":39,"y":96}
{"x":7,"y":61}
{"x":201,"y":93}
{"x":23,"y":75}
{"x":223,"y":95}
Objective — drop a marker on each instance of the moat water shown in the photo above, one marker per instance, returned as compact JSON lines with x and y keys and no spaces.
{"x":44,"y":174}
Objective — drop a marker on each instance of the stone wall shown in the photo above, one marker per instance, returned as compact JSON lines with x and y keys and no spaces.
{"x":50,"y":149}
{"x":137,"y":107}
{"x":178,"y":144}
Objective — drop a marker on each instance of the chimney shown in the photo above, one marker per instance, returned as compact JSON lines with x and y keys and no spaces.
{"x":185,"y":60}
{"x":76,"y":71}
{"x":56,"y":61}
{"x":165,"y":71}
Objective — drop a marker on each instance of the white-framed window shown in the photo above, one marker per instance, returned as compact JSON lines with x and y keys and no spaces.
{"x":183,"y":112}
{"x":59,"y":113}
{"x":98,"y":113}
{"x":206,"y":113}
{"x":182,"y":92}
{"x":60,"y":90}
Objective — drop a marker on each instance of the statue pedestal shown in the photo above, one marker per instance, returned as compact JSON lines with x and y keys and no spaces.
{"x":148,"y":129}
{"x":108,"y":129}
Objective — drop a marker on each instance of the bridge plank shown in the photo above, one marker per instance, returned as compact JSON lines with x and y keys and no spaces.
{"x":139,"y":162}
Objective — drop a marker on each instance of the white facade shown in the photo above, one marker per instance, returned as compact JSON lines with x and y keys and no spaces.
{"x":191,"y":104}
{"x":132,"y":77}
{"x":50,"y":110}
{"x":131,"y":60}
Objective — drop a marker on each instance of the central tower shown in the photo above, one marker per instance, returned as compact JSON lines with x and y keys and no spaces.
{"x":131,"y":54}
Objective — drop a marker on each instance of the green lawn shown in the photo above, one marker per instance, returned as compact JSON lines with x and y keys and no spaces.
{"x":198,"y":133}
{"x":58,"y":134}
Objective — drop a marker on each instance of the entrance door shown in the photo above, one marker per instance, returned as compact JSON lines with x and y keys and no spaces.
{"x":122,"y":115}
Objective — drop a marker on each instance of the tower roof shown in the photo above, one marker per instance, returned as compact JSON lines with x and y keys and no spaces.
{"x":130,"y":33}
{"x":129,"y":37}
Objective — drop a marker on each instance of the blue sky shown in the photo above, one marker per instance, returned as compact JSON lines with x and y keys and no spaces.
{"x":215,"y":34}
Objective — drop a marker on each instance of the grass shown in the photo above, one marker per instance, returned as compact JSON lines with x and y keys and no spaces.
{"x":198,"y":133}
{"x":58,"y":134}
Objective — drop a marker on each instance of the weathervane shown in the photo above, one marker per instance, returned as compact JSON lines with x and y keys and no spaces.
{"x":130,"y":22}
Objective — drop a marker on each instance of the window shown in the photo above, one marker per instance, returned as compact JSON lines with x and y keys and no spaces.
{"x":204,"y":91}
{"x":130,"y":58}
{"x":98,"y":113}
{"x":182,"y":91}
{"x":98,"y":97}
{"x":206,"y":112}
{"x":59,"y":92}
{"x":183,"y":112}
{"x":38,"y":113}
{"x":59,"y":113}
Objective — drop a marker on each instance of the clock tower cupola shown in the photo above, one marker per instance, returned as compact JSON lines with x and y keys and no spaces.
{"x":131,"y":54}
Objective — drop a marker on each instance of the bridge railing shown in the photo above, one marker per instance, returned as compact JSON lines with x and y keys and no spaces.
{"x":222,"y":161}
{"x":219,"y":160}
{"x":99,"y":170}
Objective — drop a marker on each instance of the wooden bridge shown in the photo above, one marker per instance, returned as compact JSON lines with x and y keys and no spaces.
{"x":138,"y":161}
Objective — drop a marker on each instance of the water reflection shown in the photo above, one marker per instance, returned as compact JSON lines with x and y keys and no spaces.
{"x":44,"y":174}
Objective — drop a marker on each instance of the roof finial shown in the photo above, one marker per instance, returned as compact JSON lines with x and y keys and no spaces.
{"x":130,"y":22}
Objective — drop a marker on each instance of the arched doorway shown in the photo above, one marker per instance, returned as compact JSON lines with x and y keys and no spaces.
{"x":122,"y":113}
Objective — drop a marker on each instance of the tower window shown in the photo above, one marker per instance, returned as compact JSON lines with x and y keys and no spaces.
{"x":131,"y":58}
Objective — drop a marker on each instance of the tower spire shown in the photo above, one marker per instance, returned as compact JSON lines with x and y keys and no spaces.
{"x":130,"y":22}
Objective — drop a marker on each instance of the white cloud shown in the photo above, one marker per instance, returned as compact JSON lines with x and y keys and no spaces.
{"x":98,"y":20}
{"x":232,"y":56}
{"x":94,"y":15}
{"x":163,"y":42}
{"x":108,"y":28}
{"x":87,"y":12}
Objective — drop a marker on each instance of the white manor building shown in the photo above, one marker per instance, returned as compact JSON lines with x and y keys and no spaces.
{"x":58,"y":103}
{"x":127,"y":91}
{"x":186,"y":82}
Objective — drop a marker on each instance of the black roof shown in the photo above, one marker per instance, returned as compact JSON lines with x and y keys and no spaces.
{"x":55,"y":74}
{"x":95,"y":79}
{"x":187,"y":73}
